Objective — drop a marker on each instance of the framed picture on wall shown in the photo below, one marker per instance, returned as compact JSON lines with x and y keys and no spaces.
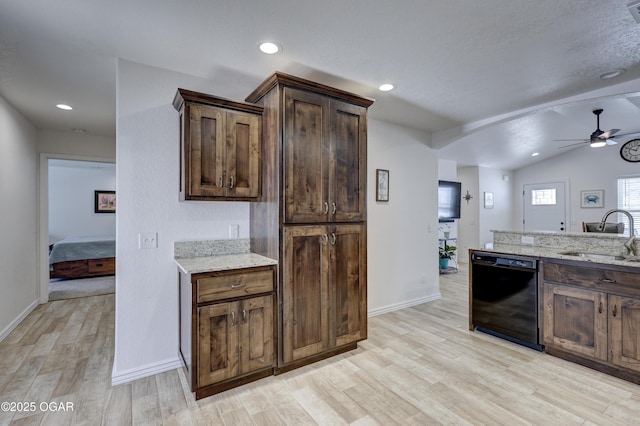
{"x":105,"y":202}
{"x":382,"y":185}
{"x":488,"y":200}
{"x":592,"y":198}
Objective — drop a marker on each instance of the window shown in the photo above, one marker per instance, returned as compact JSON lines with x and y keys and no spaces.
{"x":543,"y":197}
{"x":629,"y":200}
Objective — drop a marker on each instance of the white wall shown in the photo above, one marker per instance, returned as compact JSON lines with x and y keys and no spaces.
{"x":402,"y":233}
{"x":75,"y":145}
{"x":146,"y":339}
{"x":585,"y":168}
{"x":72,"y":186}
{"x":500,"y":183}
{"x":18,"y":220}
{"x":469,"y":223}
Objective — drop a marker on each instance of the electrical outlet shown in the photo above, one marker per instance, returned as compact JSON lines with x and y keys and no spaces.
{"x":234,"y":231}
{"x":148,"y":240}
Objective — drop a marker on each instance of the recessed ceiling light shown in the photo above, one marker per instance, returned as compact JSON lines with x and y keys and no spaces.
{"x":386,"y":87}
{"x":64,"y":107}
{"x":535,"y":154}
{"x":269,"y":47}
{"x":612,"y":74}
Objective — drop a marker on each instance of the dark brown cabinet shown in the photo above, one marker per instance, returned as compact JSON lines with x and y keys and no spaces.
{"x":220,"y":150}
{"x":624,"y":331}
{"x":312,"y":215}
{"x":324,"y":159}
{"x":324,"y":289}
{"x":235,"y":338}
{"x":592,"y":316}
{"x":576,"y":320}
{"x":227,"y":328}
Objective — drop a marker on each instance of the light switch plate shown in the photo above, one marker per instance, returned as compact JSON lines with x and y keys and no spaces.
{"x":148,"y":240}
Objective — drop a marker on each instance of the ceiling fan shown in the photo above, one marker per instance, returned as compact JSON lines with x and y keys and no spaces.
{"x":598,"y":137}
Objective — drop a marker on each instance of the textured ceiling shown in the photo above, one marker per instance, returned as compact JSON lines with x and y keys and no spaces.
{"x":471,"y":73}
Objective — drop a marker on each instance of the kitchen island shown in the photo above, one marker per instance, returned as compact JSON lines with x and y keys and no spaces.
{"x":588,"y":290}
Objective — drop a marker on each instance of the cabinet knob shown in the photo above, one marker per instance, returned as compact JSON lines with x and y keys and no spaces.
{"x":233,"y":318}
{"x":244,"y":316}
{"x":221,"y":184}
{"x":325,"y":239}
{"x":615,"y":310}
{"x":333,"y":238}
{"x":326,"y":207}
{"x":234,"y":286}
{"x":600,"y":307}
{"x":333,"y":208}
{"x":231,"y":182}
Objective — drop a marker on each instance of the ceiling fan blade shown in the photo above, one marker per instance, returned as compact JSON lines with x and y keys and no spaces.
{"x":570,"y":140}
{"x":607,"y":135}
{"x":573,"y":144}
{"x":624,"y":135}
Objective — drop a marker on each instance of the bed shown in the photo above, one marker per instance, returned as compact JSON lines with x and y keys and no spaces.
{"x":82,"y":257}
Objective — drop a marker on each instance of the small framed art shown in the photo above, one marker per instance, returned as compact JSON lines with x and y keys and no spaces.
{"x":382,"y":185}
{"x":105,"y":202}
{"x":592,"y":198}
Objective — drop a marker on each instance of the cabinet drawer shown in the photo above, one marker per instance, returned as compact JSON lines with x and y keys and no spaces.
{"x":599,"y":278}
{"x":233,"y":285}
{"x":101,"y":265}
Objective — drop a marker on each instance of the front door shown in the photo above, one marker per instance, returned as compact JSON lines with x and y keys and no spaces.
{"x":544,"y":207}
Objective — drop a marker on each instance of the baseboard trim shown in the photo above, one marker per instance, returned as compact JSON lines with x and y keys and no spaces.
{"x":13,"y":324}
{"x":403,"y":305}
{"x":119,"y":378}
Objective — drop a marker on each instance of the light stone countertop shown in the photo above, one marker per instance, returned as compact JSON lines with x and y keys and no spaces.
{"x":534,"y":251}
{"x":224,"y":262}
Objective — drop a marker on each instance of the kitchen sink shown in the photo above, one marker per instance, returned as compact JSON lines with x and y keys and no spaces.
{"x":595,"y":255}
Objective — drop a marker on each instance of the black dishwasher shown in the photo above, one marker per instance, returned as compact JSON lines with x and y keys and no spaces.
{"x":504,"y":299}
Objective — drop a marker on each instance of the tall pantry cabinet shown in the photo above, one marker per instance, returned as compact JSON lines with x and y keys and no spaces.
{"x":312,"y":215}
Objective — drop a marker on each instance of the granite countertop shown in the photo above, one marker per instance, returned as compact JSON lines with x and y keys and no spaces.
{"x":555,"y":253}
{"x":223,"y":262}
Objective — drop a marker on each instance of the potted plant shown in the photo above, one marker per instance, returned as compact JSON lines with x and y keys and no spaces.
{"x":447,"y":252}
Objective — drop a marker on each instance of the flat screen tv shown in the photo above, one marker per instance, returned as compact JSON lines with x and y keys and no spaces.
{"x":449,"y":196}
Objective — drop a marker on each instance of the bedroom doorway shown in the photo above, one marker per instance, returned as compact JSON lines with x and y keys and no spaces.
{"x":79,"y":229}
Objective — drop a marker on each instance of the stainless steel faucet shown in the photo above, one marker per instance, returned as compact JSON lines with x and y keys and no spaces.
{"x":630,"y":244}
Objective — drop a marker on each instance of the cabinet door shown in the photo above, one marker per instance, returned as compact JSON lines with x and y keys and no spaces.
{"x":218,"y":343}
{"x":305,"y":291}
{"x":306,"y":157}
{"x":349,"y":162}
{"x":624,"y":331}
{"x":348,"y":284}
{"x":576,"y":320}
{"x":206,"y":151}
{"x":256,"y":334}
{"x":243,"y":151}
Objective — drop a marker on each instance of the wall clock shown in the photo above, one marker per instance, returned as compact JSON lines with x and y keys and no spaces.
{"x":630,"y":151}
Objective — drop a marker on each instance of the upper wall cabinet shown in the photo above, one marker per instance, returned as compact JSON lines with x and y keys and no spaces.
{"x":220,"y":148}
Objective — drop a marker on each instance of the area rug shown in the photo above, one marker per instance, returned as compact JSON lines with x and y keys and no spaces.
{"x":84,"y":287}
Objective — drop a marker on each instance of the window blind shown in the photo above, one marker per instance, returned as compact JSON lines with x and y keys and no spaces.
{"x":629,"y":199}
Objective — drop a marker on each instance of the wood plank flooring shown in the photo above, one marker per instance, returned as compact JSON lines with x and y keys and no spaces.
{"x":420,"y":366}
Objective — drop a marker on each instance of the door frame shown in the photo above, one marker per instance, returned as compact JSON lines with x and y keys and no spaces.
{"x":42,"y":255}
{"x":567,"y":199}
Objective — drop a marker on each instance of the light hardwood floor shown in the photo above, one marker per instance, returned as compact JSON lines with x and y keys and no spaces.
{"x":420,"y":366}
